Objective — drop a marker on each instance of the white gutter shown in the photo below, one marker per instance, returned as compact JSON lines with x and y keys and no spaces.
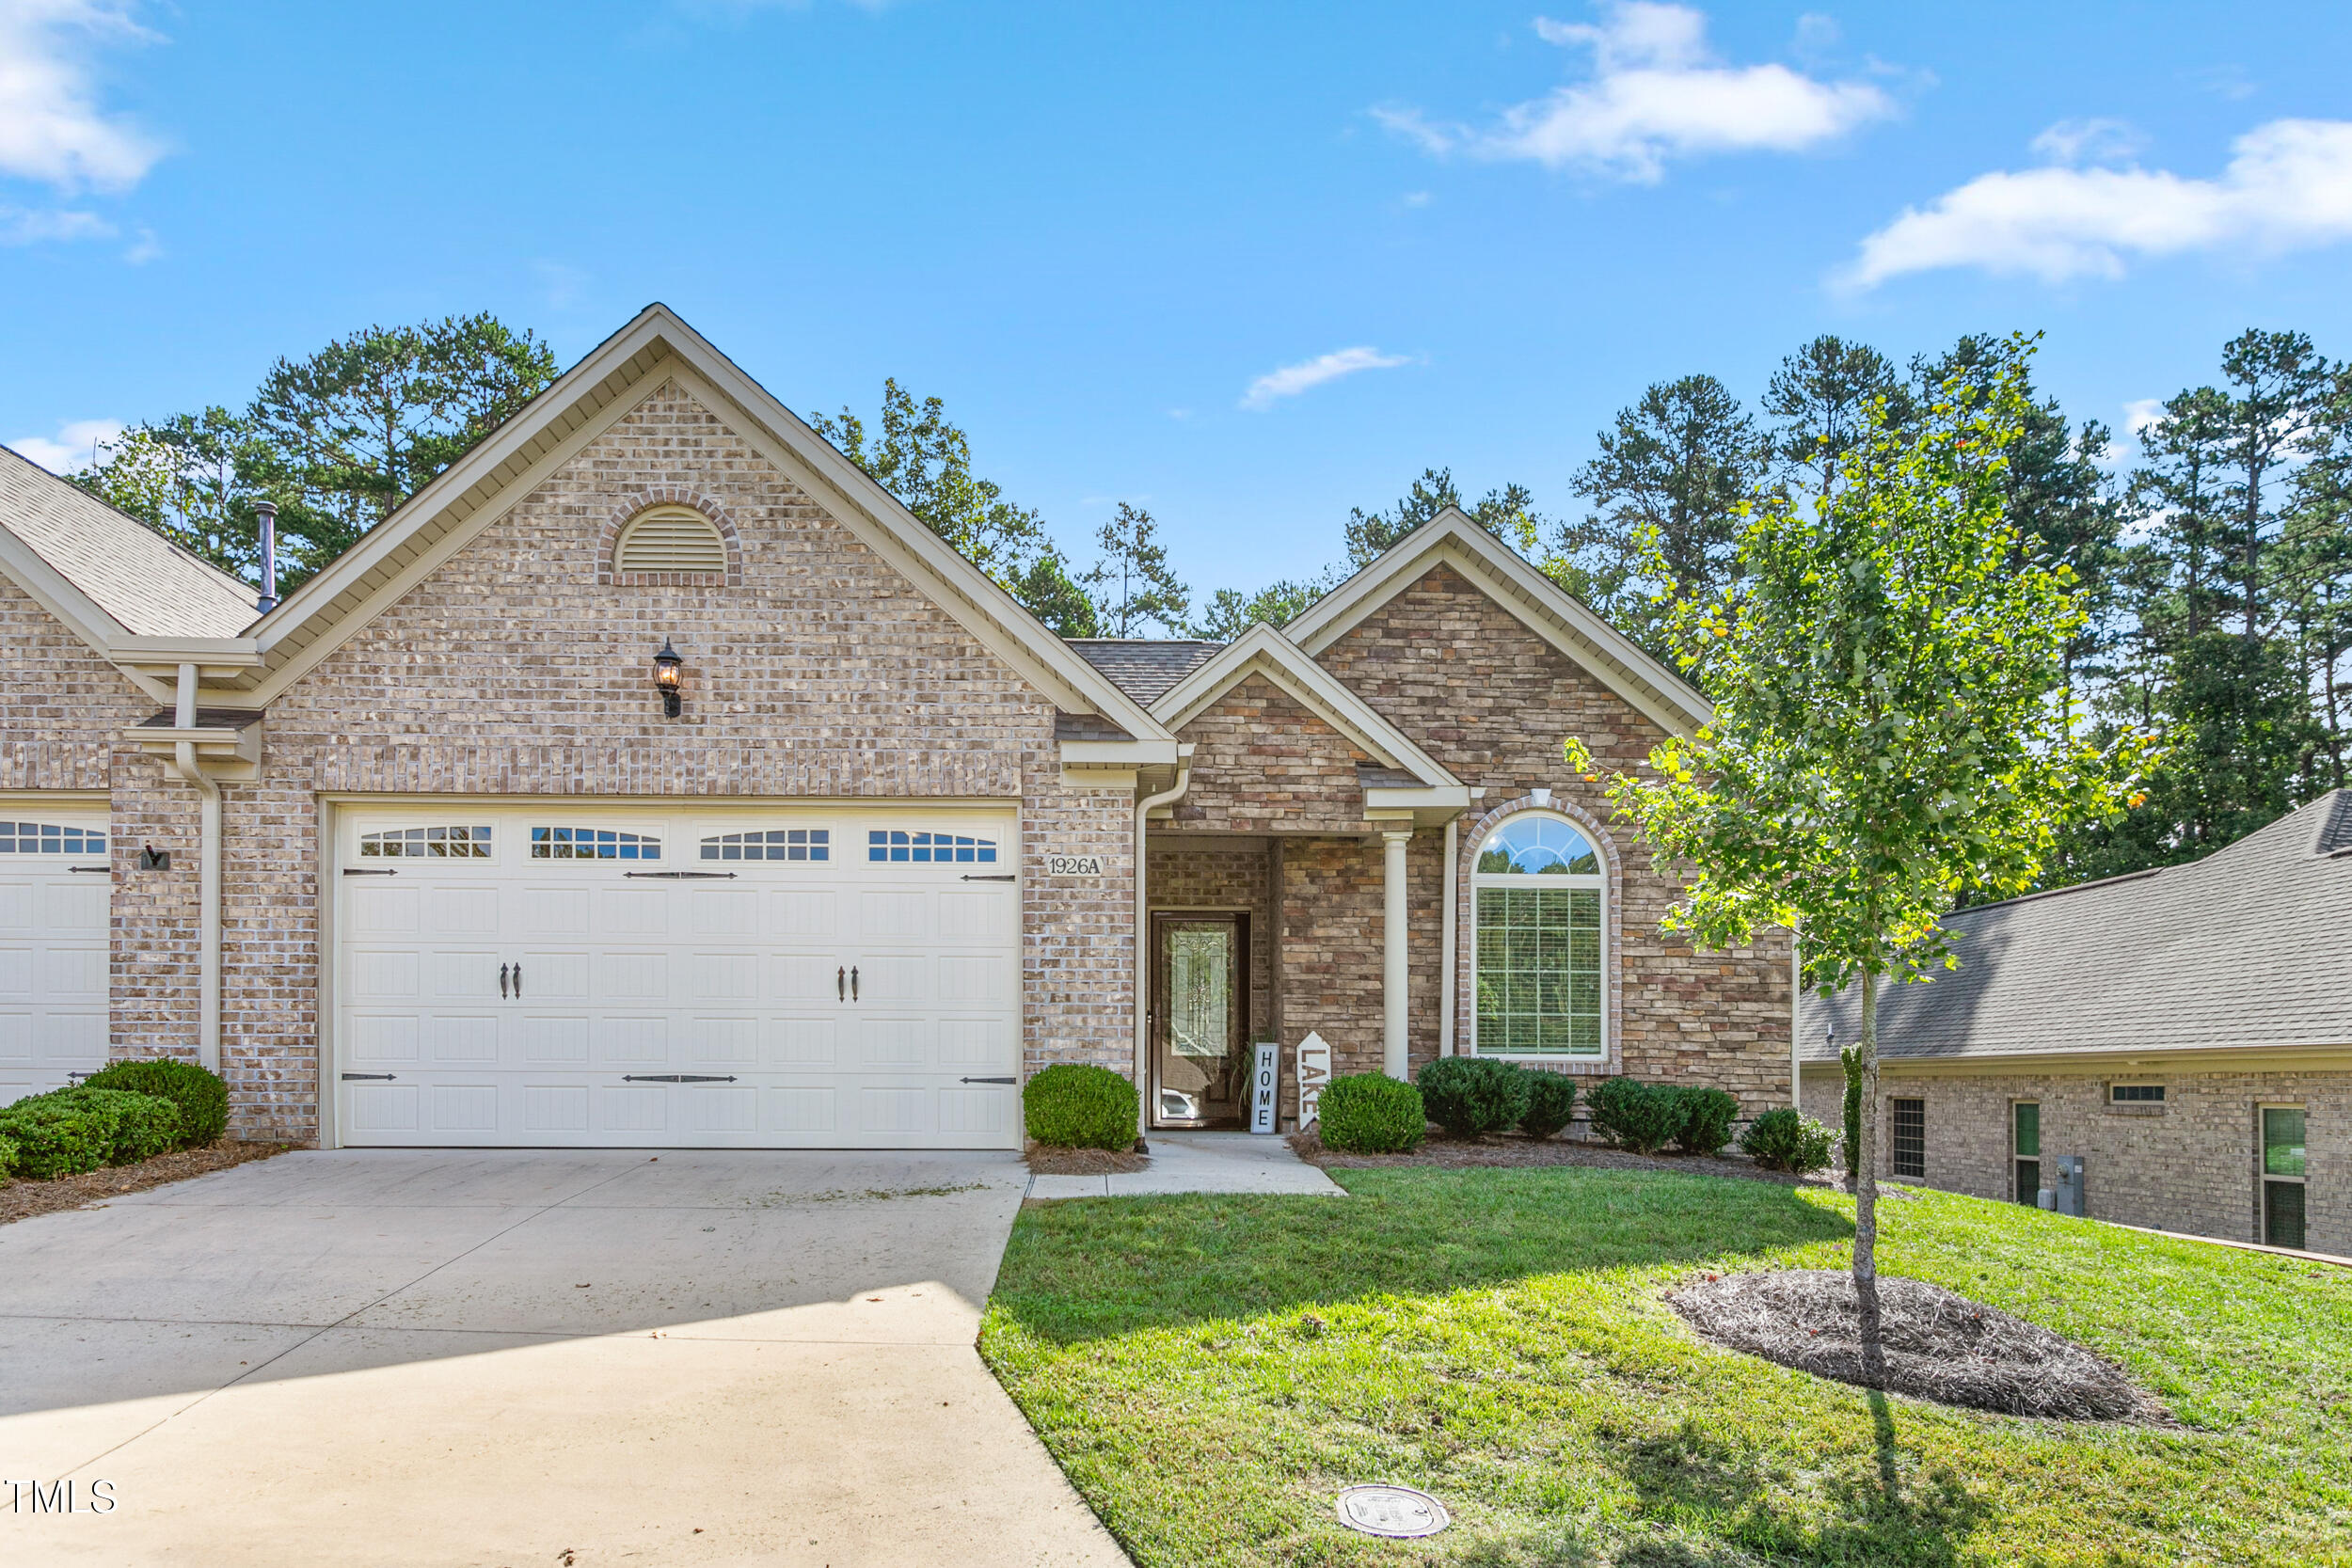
{"x":1445,"y":999}
{"x":1143,"y":935}
{"x":208,"y":875}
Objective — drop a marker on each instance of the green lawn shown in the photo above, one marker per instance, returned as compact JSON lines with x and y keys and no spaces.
{"x":1210,"y":1371}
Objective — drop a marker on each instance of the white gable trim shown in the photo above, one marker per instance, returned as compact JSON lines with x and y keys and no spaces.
{"x":1264,"y":651}
{"x":1538,"y":603}
{"x":657,"y":344}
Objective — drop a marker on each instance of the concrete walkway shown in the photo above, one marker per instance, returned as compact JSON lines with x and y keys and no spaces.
{"x":478,"y":1358}
{"x":1201,"y":1162}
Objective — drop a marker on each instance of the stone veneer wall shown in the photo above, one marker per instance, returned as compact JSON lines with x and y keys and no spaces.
{"x":2188,"y":1166}
{"x":513,"y":671}
{"x":1492,"y":701}
{"x":1262,"y":763}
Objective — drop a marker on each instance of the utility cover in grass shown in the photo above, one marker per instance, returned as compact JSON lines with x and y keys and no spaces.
{"x":1939,"y":1345}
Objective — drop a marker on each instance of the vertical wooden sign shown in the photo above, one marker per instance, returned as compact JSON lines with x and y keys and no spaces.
{"x":1265,"y":1087}
{"x":1314,"y":1071}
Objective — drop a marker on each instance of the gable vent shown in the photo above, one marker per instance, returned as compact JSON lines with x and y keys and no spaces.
{"x":671,"y":539}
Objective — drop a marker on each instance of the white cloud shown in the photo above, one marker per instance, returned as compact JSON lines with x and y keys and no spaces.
{"x":2089,"y":141}
{"x":1656,"y":92}
{"x":2141,"y":413}
{"x":1291,"y":380}
{"x":51,"y":127}
{"x":71,"y":449}
{"x":22,"y":226}
{"x":2288,"y":187}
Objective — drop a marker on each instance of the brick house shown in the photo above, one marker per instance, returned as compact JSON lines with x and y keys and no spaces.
{"x":2185,"y":1033}
{"x":652,"y":777}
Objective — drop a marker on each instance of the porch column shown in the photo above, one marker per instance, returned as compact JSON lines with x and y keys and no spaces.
{"x":1392,"y":967}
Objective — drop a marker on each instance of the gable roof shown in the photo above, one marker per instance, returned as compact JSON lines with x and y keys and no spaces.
{"x":2245,"y":948}
{"x":1264,"y":652}
{"x":121,"y":578}
{"x":1145,"y":667}
{"x":596,"y":394}
{"x":1541,"y":605}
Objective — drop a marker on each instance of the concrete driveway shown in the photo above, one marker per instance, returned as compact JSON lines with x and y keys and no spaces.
{"x":527,"y":1358}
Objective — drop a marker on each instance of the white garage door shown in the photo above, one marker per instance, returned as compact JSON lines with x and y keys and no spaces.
{"x":54,"y":884}
{"x":557,"y":977}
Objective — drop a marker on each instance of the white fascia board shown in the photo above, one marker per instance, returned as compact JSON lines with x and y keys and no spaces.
{"x":1446,"y":797}
{"x":1531,"y":598}
{"x":1264,"y":651}
{"x":1118,"y":754}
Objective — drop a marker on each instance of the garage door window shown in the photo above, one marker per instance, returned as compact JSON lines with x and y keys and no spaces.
{"x":774,"y":844}
{"x":592,"y":844}
{"x":452,"y":842}
{"x":897,"y":846}
{"x":50,"y":838}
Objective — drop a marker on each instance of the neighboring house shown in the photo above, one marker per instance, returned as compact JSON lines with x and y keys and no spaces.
{"x":2187,"y":1033}
{"x":426,"y":855}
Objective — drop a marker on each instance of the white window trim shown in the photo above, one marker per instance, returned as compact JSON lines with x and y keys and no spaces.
{"x":1597,"y":882}
{"x":2262,"y":1178}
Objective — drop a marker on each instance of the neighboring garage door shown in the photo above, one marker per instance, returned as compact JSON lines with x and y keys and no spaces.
{"x":54,"y":883}
{"x":742,"y":979}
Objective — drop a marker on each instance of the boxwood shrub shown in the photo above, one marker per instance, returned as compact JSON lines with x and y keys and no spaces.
{"x":1642,"y":1117}
{"x":202,"y":1096}
{"x":1550,"y":1103}
{"x":7,"y":1157}
{"x":1471,"y":1095}
{"x":1707,"y":1118}
{"x":67,"y":1132}
{"x":1074,"y":1105}
{"x":1370,"y":1113}
{"x":1784,"y":1140}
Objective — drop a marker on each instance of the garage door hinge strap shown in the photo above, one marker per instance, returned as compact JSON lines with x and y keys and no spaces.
{"x":368,"y":871}
{"x":1004,"y":876}
{"x":89,"y":868}
{"x":677,"y":1078}
{"x":368,"y":1077}
{"x":984,"y":1080}
{"x":685,"y":876}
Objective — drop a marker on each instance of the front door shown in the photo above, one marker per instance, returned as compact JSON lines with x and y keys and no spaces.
{"x":1200,"y":1019}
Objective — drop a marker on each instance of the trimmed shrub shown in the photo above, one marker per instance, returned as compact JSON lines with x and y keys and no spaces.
{"x":1073,"y":1105}
{"x":1783,"y":1140}
{"x":145,"y":1125}
{"x":7,"y":1158}
{"x":1471,"y":1095}
{"x":55,"y":1135}
{"x":1707,"y":1118}
{"x":1370,"y":1113}
{"x":202,"y":1096}
{"x":1550,"y":1103}
{"x":1642,"y":1117}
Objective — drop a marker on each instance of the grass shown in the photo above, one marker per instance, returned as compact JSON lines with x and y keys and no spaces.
{"x":1210,"y":1371}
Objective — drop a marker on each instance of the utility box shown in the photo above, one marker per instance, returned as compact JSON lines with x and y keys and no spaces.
{"x":2069,"y":1199}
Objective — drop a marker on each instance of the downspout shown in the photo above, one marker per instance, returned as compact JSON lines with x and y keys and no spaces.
{"x":1796,"y":1022}
{"x":208,"y":876}
{"x":1445,"y":994}
{"x":1143,"y":935}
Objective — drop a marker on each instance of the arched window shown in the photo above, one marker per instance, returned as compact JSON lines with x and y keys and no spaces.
{"x":670,"y":539}
{"x":1537,"y":894}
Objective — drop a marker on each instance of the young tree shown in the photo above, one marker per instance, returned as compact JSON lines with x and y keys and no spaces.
{"x":925,"y":461}
{"x":1886,"y":732}
{"x":1507,"y":513}
{"x":359,"y":427}
{"x":1230,"y":611}
{"x":1133,"y":585}
{"x":1668,"y":486}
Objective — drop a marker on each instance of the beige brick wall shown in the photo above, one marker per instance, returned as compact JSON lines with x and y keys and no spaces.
{"x":1262,"y":763}
{"x":1493,"y":702}
{"x":2188,"y":1166}
{"x":513,"y":671}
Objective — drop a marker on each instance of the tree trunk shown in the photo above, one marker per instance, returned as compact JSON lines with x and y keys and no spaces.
{"x":1866,"y":1194}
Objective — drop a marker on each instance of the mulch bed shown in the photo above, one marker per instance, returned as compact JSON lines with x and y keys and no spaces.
{"x":23,"y":1198}
{"x":1516,"y":1150}
{"x":1084,"y":1162}
{"x":1938,"y":1345}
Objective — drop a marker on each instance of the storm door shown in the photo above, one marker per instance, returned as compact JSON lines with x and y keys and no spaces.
{"x":1200,"y":1019}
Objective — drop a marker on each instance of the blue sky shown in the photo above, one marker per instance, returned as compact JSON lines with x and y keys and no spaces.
{"x":1248,"y":265}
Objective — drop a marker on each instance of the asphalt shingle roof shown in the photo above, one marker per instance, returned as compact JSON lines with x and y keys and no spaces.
{"x":1145,"y":668}
{"x":2249,"y":946}
{"x":149,"y":584}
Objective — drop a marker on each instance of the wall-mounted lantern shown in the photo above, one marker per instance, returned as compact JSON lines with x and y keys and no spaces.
{"x":667,"y":677}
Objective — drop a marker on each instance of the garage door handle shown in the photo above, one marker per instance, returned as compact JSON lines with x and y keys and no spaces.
{"x":840,"y":985}
{"x":677,"y":1078}
{"x":1003,"y":876}
{"x":501,"y":980}
{"x":983,"y":1080}
{"x":518,"y":982}
{"x":853,"y":982}
{"x":368,"y":1077}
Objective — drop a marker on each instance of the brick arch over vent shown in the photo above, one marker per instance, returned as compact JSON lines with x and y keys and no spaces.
{"x":636,"y":504}
{"x":1466,"y":929}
